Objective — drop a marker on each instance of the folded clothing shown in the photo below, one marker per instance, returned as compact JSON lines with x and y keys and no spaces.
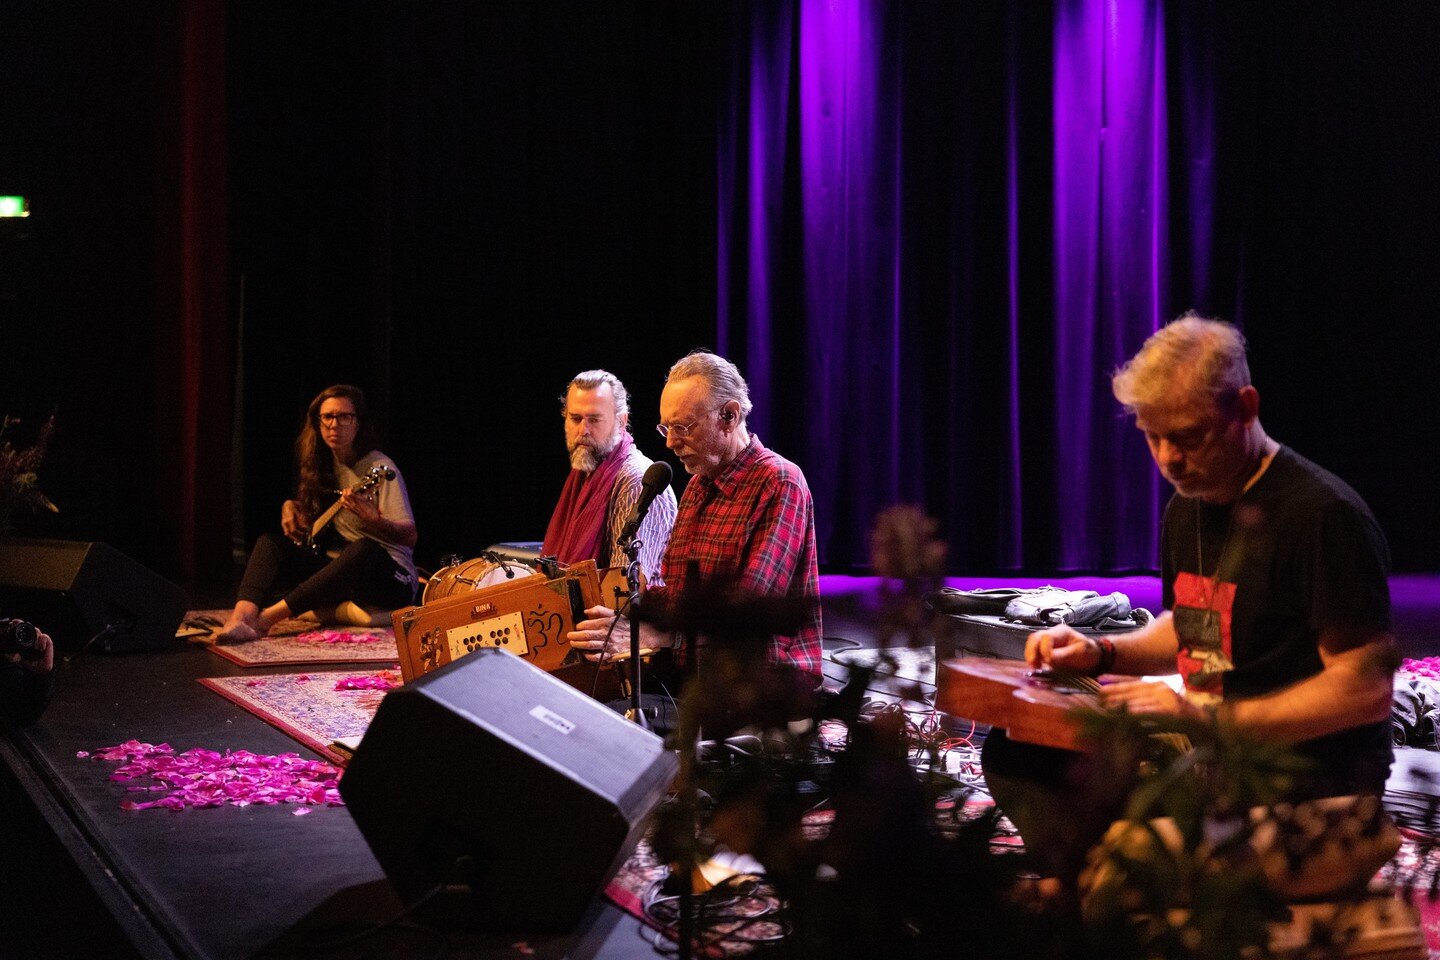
{"x":1044,"y":607}
{"x":988,"y":602}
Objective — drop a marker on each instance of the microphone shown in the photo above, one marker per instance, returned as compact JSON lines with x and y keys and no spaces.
{"x":657,"y":479}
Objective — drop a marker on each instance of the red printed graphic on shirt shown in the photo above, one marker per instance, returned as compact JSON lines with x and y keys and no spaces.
{"x":1202,"y":615}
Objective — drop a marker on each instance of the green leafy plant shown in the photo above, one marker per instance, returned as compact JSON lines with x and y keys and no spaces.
{"x":1195,"y":865}
{"x":1207,"y":856}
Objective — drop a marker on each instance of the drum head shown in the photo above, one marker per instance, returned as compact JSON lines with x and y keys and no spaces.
{"x":471,"y":575}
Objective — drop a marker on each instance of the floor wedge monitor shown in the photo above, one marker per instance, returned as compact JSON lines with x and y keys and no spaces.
{"x":79,"y":590}
{"x":512,"y":791}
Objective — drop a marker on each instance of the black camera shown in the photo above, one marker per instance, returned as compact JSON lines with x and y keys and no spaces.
{"x":18,"y":636}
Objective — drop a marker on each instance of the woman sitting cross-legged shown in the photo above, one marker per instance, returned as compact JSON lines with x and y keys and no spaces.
{"x":364,"y":555}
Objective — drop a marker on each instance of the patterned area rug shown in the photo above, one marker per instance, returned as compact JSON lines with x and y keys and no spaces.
{"x":732,"y":923}
{"x":733,"y":919}
{"x":314,"y":708}
{"x":638,"y":890}
{"x":299,"y":642}
{"x":1415,"y":872}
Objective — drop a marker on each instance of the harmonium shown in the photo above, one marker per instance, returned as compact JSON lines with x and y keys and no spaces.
{"x":504,"y":604}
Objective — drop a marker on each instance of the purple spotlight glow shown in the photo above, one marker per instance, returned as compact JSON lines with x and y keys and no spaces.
{"x":1111,"y":259}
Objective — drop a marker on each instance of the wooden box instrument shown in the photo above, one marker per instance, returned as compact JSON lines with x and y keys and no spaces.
{"x":1009,"y":694}
{"x":528,"y":616}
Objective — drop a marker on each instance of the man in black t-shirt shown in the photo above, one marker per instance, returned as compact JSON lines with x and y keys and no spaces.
{"x":1278,"y":609}
{"x":1277,"y":605}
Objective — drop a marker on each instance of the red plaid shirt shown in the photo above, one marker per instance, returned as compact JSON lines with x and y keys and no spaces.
{"x":753,"y":523}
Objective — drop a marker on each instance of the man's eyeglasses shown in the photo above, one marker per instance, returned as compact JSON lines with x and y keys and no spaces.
{"x":329,"y":419}
{"x":681,"y":430}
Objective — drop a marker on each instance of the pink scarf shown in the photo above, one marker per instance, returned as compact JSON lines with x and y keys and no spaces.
{"x":578,"y":522}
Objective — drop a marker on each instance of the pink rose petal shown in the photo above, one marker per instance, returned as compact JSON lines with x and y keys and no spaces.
{"x":207,"y":778}
{"x":339,"y":636}
{"x":384,"y":680}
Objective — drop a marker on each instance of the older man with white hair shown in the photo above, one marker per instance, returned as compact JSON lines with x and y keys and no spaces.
{"x":745,"y":518}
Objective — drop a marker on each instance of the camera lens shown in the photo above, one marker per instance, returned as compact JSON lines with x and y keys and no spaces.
{"x":17,"y":636}
{"x":24,"y":634}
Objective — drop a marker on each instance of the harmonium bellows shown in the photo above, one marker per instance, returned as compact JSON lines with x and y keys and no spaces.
{"x":528,"y":616}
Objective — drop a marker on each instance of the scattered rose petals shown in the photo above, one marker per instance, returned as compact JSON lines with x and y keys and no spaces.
{"x":207,"y":778}
{"x":1427,"y":667}
{"x":82,"y":754}
{"x":384,"y":680}
{"x":299,"y":811}
{"x":254,"y":683}
{"x":339,"y":636}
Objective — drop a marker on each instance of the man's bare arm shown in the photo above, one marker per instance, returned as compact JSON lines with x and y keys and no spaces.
{"x":1352,"y":688}
{"x":1149,"y":650}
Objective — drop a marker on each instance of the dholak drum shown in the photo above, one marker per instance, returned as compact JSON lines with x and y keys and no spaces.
{"x":471,"y":575}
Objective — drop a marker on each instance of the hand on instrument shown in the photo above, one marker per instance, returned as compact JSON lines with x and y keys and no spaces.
{"x":292,"y":521}
{"x":1062,"y":648}
{"x":605,"y":636}
{"x":362,"y":505}
{"x":602,"y":634}
{"x":1148,"y":698}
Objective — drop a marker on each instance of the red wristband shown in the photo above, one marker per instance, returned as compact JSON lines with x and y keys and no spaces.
{"x":1107,"y":655}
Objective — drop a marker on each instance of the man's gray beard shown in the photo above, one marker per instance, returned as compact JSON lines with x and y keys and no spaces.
{"x":583,"y":458}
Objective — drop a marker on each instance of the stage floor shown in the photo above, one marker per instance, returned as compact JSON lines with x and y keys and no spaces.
{"x":231,"y":881}
{"x":220,"y":882}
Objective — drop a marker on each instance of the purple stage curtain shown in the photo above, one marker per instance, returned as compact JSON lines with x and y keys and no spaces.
{"x":1111,"y":263}
{"x":941,"y":227}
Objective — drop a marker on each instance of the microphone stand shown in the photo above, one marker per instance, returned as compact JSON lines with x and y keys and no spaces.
{"x":632,"y":582}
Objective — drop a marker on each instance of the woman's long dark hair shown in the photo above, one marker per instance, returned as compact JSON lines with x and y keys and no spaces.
{"x":316,"y":463}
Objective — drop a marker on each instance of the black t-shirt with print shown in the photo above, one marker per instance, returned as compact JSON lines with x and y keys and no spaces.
{"x":1251,"y":586}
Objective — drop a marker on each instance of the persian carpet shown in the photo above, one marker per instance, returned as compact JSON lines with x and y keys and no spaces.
{"x":297,"y":642}
{"x":307,"y":706}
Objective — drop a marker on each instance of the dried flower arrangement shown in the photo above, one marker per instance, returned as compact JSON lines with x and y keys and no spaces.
{"x":19,"y":480}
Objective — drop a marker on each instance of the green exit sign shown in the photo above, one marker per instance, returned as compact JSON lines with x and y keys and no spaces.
{"x":14,"y":207}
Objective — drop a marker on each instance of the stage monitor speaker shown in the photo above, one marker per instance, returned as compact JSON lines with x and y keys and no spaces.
{"x":495,"y":778}
{"x":73,"y":590}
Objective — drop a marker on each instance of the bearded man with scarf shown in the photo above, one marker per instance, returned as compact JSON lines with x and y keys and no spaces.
{"x":605,"y":480}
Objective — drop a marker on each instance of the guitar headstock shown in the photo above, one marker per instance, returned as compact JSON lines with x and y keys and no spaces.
{"x":380,"y":471}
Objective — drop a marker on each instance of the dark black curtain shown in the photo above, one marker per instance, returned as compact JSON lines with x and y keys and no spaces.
{"x":112,"y":293}
{"x":1328,"y":148}
{"x":459,"y":207}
